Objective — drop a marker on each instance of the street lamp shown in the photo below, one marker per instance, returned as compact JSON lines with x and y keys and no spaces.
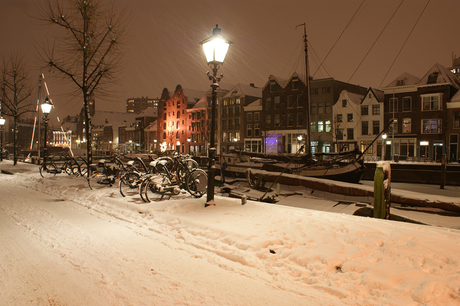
{"x":215,"y":49}
{"x":384,"y":137}
{"x":2,"y":123}
{"x":46,"y":109}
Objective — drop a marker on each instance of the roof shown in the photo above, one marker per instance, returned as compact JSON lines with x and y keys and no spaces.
{"x":256,"y":105}
{"x":148,"y":112}
{"x":355,"y":98}
{"x":193,"y":95}
{"x":407,"y":78}
{"x":112,"y":118}
{"x":438,"y":74}
{"x":201,"y":103}
{"x":244,"y":90}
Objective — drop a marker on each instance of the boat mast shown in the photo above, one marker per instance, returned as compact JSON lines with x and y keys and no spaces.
{"x":307,"y":85}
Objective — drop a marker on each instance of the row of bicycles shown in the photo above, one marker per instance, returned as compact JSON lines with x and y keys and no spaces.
{"x":160,"y":178}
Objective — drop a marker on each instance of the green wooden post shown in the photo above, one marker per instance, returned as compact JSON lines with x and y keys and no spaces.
{"x":379,"y":194}
{"x":382,"y":190}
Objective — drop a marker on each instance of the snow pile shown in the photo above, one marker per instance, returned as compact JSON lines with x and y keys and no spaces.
{"x":341,"y":258}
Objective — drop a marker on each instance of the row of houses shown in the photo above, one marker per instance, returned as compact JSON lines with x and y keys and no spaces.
{"x":279,"y":116}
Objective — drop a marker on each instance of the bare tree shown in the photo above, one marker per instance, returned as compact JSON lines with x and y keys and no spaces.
{"x":16,"y":94}
{"x":87,"y":50}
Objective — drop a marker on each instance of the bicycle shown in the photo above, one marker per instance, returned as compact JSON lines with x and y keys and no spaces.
{"x":51,"y":168}
{"x":102,"y":173}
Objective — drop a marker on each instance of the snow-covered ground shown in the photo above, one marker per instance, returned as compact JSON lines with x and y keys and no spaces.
{"x":64,"y":244}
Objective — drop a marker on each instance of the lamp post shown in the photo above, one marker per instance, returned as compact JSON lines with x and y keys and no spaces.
{"x":384,"y":137}
{"x":2,"y":123}
{"x":215,"y":49}
{"x":46,"y":109}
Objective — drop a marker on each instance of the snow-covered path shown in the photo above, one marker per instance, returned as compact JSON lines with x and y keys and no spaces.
{"x":55,"y":252}
{"x":63,"y":244}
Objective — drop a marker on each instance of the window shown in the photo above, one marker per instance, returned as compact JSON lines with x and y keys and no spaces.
{"x":313,"y":127}
{"x":248,"y":116}
{"x":328,"y":107}
{"x":344,"y":103}
{"x":320,"y":108}
{"x":256,"y":116}
{"x":364,"y":110}
{"x":249,"y":130}
{"x":375,"y":127}
{"x":339,"y":134}
{"x":272,"y":86}
{"x":230,"y":124}
{"x":164,"y":116}
{"x":299,"y":119}
{"x":295,"y":84}
{"x":364,"y":128}
{"x":225,"y":103}
{"x":238,"y":101}
{"x":230,"y":111}
{"x":291,"y":101}
{"x":393,"y":105}
{"x":457,"y":120}
{"x":224,"y":112}
{"x":290,"y":119}
{"x":237,"y":110}
{"x":256,"y":130}
{"x":339,"y":118}
{"x":277,"y":102}
{"x":431,"y":126}
{"x":277,"y":120}
{"x":313,"y":109}
{"x":393,"y":127}
{"x":350,"y":135}
{"x":366,"y":145}
{"x":407,"y":104}
{"x":268,"y":120}
{"x":178,"y":115}
{"x":430,"y":102}
{"x":237,"y":123}
{"x":268,"y":103}
{"x":350,"y":117}
{"x":327,"y":126}
{"x":320,"y":126}
{"x":406,"y":125}
{"x":313,"y":91}
{"x":376,"y":109}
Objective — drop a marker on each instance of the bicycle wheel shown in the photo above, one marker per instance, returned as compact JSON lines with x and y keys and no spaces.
{"x":197,"y":183}
{"x":186,"y":166}
{"x":144,"y":180}
{"x":48,"y":170}
{"x":129,"y":184}
{"x":156,"y":188}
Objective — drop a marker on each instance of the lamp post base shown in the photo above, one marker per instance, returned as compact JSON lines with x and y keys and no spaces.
{"x":210,"y":203}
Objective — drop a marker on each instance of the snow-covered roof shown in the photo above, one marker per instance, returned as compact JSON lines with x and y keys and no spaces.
{"x":112,"y":118}
{"x":355,"y":98}
{"x":201,"y":103}
{"x":438,"y":74}
{"x":244,"y":90}
{"x":256,"y":105}
{"x":405,"y":79}
{"x":148,"y":112}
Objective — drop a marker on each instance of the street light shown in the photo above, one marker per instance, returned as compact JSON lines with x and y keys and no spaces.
{"x":215,"y":49}
{"x":384,"y":137}
{"x":46,"y":109}
{"x":2,"y":123}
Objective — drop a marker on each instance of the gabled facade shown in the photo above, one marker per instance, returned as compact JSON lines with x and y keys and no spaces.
{"x":286,"y":112}
{"x":173,"y":117}
{"x":232,"y":126}
{"x":371,"y":113}
{"x":196,"y":134}
{"x":347,"y":114}
{"x":421,"y":121}
{"x":253,"y":141}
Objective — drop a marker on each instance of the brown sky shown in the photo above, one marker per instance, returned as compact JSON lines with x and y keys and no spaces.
{"x":162,"y":48}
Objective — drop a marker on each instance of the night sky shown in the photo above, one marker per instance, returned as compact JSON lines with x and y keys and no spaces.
{"x":162,"y":46}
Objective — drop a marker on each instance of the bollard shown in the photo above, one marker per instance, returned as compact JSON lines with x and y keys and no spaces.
{"x":244,"y":199}
{"x":382,"y":190}
{"x":443,"y":171}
